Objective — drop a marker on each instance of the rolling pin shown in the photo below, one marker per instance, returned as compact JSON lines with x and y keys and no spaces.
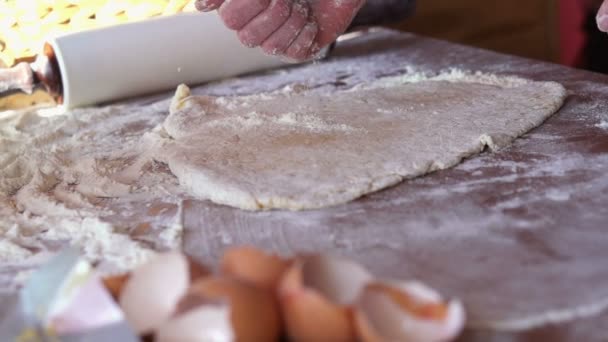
{"x":154,"y":55}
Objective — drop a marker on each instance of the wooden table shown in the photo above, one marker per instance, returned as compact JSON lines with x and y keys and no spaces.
{"x":534,"y":213}
{"x":513,"y":234}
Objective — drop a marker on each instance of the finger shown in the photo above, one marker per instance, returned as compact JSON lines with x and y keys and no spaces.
{"x":208,"y":5}
{"x":280,"y":40}
{"x":265,"y":23}
{"x":343,"y":12}
{"x":602,"y":17}
{"x":237,"y":13}
{"x":299,"y":50}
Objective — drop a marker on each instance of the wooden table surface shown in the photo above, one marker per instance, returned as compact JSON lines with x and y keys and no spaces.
{"x":521,"y":235}
{"x":516,"y":233}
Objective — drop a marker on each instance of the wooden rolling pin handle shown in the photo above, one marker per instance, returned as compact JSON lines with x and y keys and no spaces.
{"x":47,"y":73}
{"x":19,"y":78}
{"x":25,"y":77}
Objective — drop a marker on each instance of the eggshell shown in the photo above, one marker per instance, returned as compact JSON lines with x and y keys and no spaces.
{"x":150,"y":295}
{"x":315,"y":295}
{"x":87,"y":306}
{"x":115,"y":284}
{"x":205,"y":323}
{"x":406,"y":312}
{"x":254,"y":266}
{"x":253,"y":311}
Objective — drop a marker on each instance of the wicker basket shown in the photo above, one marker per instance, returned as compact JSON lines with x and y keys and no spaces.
{"x":25,"y":24}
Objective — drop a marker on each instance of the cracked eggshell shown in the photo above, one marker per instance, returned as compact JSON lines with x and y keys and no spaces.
{"x":315,"y":296}
{"x":253,"y":311}
{"x":254,"y":266}
{"x":151,"y":293}
{"x":198,"y":320}
{"x":408,"y":311}
{"x":86,"y":306}
{"x":115,"y":284}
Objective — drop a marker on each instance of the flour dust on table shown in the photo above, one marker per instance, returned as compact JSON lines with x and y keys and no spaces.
{"x":112,"y":180}
{"x":306,"y":150}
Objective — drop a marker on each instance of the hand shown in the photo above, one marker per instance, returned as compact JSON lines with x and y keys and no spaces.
{"x":296,"y":29}
{"x":602,"y":17}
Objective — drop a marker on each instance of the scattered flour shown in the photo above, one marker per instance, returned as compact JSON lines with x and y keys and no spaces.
{"x":76,"y":177}
{"x":11,"y":252}
{"x":60,"y":174}
{"x":449,"y":75}
{"x":63,"y":180}
{"x":602,"y":125}
{"x":288,"y":120}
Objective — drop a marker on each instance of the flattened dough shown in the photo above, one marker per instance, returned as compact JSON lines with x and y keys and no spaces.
{"x":290,"y":150}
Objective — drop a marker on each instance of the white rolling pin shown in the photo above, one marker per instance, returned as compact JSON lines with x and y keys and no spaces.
{"x":154,"y":55}
{"x":150,"y":56}
{"x":126,"y":60}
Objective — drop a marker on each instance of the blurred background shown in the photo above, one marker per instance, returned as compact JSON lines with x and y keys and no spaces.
{"x":559,"y":31}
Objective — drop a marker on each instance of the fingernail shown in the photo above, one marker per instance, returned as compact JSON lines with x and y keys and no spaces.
{"x":201,"y":5}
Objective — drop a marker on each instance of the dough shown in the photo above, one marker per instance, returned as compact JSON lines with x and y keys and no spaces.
{"x":306,"y":150}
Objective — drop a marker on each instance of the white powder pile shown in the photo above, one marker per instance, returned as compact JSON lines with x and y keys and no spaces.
{"x":70,"y":179}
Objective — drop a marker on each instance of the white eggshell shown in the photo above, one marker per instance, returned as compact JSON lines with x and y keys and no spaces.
{"x":338,"y":279}
{"x":153,"y":291}
{"x":378,"y":314}
{"x":90,"y":308}
{"x":208,"y":323}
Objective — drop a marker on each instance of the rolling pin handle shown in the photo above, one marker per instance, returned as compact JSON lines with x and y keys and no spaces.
{"x":25,"y":77}
{"x":19,"y":78}
{"x":47,"y":73}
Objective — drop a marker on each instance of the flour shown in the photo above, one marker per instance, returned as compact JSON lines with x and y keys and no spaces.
{"x":59,"y":174}
{"x":79,"y":177}
{"x":11,"y":252}
{"x":291,"y":120}
{"x":85,"y":177}
{"x":603,"y":125}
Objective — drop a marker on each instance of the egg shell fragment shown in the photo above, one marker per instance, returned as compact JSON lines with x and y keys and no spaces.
{"x":254,"y":266}
{"x":205,"y":323}
{"x":253,"y":310}
{"x":315,"y":297}
{"x":406,"y":311}
{"x":115,"y":284}
{"x":153,"y":290}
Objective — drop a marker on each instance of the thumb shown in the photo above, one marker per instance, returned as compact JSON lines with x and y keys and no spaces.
{"x":602,"y":17}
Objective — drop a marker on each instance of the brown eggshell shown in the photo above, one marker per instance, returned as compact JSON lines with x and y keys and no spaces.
{"x":115,"y":284}
{"x":254,"y":266}
{"x":315,"y":295}
{"x":196,"y":269}
{"x":150,"y":295}
{"x":408,"y":311}
{"x":253,"y":311}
